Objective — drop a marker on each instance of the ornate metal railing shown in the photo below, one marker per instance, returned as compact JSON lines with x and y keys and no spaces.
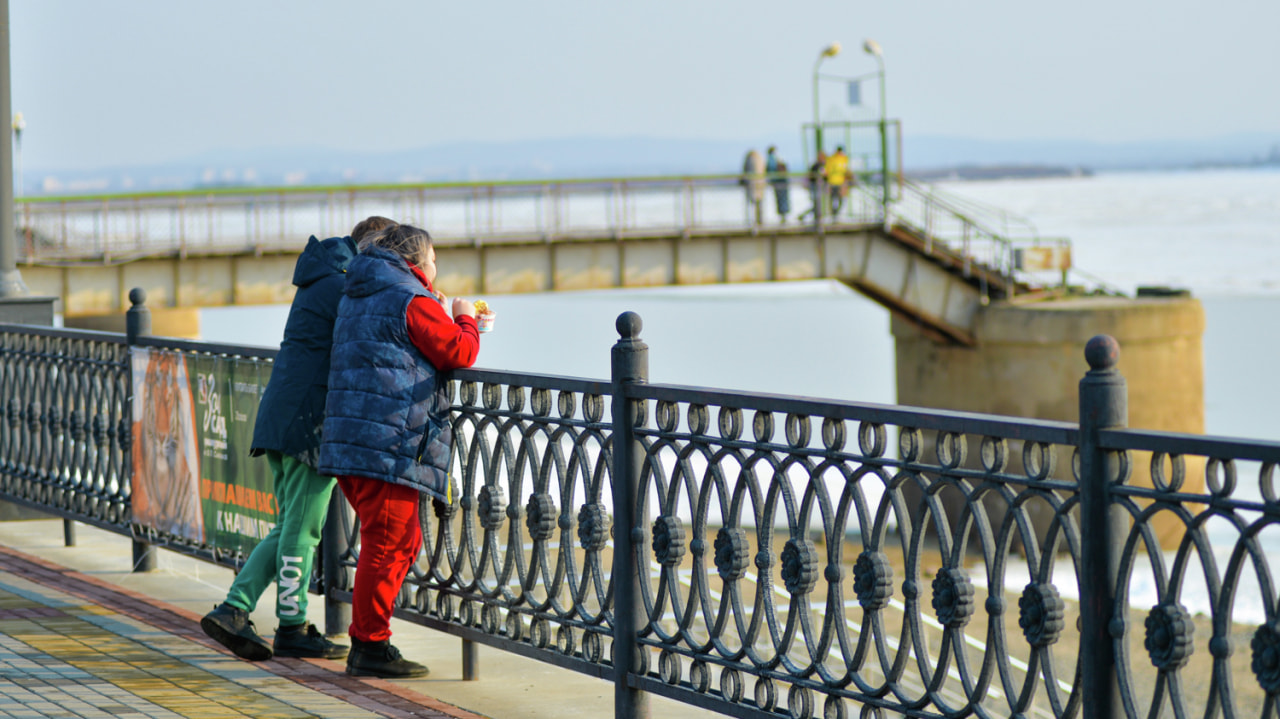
{"x":761,"y":555}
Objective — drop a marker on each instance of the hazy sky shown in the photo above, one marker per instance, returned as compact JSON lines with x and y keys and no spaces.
{"x":141,"y":81}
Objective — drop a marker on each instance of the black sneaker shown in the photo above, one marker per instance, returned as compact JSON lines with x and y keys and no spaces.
{"x":232,"y":628}
{"x":304,"y":640}
{"x":380,"y":659}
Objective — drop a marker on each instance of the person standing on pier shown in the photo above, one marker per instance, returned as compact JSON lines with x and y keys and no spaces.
{"x":837,"y":174}
{"x":387,"y":436}
{"x":287,"y":431}
{"x":817,"y":185}
{"x":777,"y":170}
{"x":753,"y":180}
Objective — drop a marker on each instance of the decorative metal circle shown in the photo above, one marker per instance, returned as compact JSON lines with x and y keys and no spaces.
{"x":540,"y":516}
{"x":952,"y":449}
{"x":1169,"y":636}
{"x":593,"y":407}
{"x":732,"y":553}
{"x":799,"y":702}
{"x":668,"y":541}
{"x":873,"y":580}
{"x":1040,"y":614}
{"x":467,"y":613}
{"x":833,"y":434}
{"x":515,"y":398}
{"x":444,"y":606}
{"x":700,"y":676}
{"x":762,"y":426}
{"x":731,"y":685}
{"x":994,"y":452}
{"x":566,"y":404}
{"x":797,"y":430}
{"x":871,"y":712}
{"x":667,"y":415}
{"x":639,"y":413}
{"x":871,"y":439}
{"x":421,"y":600}
{"x":491,"y":506}
{"x":953,"y":597}
{"x":1220,"y":475}
{"x":698,"y":418}
{"x":491,"y":395}
{"x":1124,"y":467}
{"x":539,"y":633}
{"x":594,"y":525}
{"x":766,"y":694}
{"x":1158,"y":479}
{"x":592,"y":647}
{"x":489,"y":619}
{"x":1266,"y":657}
{"x":515,"y":625}
{"x":467,"y":394}
{"x":540,"y":402}
{"x":1038,"y":460}
{"x":799,"y":566}
{"x":641,"y":661}
{"x":1266,"y":480}
{"x":730,"y":421}
{"x":669,"y":667}
{"x":1075,"y":464}
{"x":910,"y":442}
{"x":448,"y":389}
{"x":833,"y":708}
{"x":566,"y":643}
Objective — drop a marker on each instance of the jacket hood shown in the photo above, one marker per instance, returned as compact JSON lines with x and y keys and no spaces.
{"x":376,"y":269}
{"x":323,"y":258}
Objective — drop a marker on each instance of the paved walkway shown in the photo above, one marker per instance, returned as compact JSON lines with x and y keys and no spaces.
{"x":72,"y":645}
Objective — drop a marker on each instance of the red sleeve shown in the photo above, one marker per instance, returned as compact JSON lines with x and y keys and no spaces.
{"x":446,"y":343}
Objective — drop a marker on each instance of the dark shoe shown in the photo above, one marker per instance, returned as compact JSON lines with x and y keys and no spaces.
{"x":232,"y":628}
{"x":304,"y":640}
{"x":380,"y":659}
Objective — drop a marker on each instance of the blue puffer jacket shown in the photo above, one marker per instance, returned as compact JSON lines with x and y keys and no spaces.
{"x":387,"y":416}
{"x":292,"y":407}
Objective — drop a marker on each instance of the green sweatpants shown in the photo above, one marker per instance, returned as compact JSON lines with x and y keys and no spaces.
{"x":286,"y":554}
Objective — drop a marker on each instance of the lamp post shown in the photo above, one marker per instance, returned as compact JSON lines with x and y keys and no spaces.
{"x":19,"y":124}
{"x":829,"y":51}
{"x":873,"y":48}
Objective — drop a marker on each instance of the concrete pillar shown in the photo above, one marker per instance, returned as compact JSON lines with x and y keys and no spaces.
{"x":1029,"y":360}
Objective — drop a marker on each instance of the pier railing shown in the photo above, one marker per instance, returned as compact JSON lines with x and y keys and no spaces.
{"x":761,"y":555}
{"x":109,"y":229}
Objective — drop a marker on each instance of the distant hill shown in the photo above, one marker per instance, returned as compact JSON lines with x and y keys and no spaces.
{"x":628,"y":156}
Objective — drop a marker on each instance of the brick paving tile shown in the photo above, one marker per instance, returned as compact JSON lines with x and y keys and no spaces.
{"x":87,"y":648}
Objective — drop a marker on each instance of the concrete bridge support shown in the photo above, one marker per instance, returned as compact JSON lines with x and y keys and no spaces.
{"x":1027,"y":363}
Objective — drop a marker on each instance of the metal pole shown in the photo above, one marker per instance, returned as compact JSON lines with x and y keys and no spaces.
{"x":137,"y":323}
{"x":1104,"y":404}
{"x":334,"y":545}
{"x":11,"y":284}
{"x":630,"y":365}
{"x":884,"y":143}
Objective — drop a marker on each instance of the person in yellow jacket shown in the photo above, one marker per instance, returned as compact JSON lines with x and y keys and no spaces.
{"x":838,"y":178}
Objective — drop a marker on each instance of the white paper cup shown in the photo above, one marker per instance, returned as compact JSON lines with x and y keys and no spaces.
{"x":485,"y":321}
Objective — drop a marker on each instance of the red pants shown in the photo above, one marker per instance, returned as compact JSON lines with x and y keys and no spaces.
{"x":390,"y":539}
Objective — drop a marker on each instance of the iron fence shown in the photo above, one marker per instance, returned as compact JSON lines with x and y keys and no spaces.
{"x":761,"y":555}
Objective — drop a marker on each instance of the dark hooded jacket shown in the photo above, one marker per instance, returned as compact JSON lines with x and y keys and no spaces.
{"x":387,"y":417}
{"x":292,"y":410}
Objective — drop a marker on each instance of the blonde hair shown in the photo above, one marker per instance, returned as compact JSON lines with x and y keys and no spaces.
{"x":409,"y":242}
